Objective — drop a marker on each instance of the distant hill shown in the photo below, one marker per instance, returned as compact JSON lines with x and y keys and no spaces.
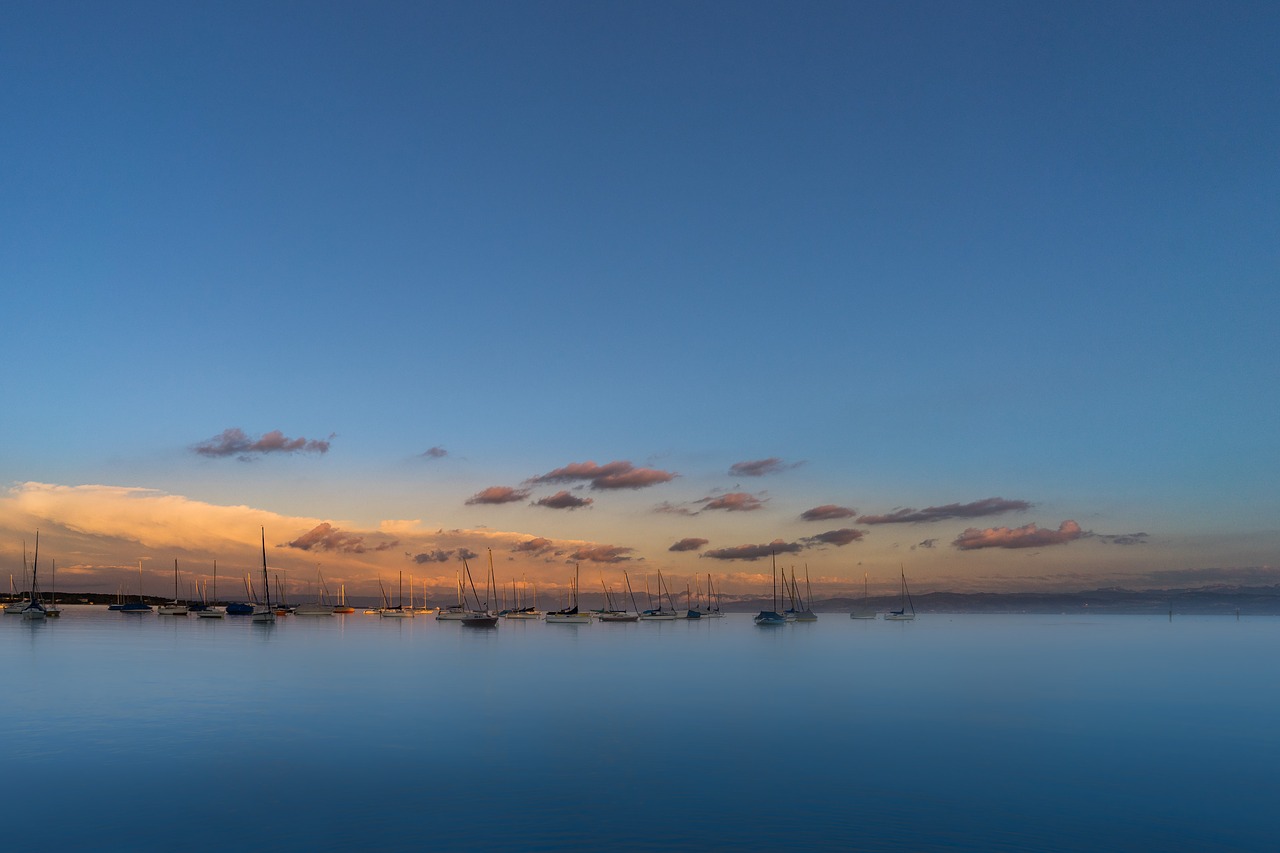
{"x":1205,"y":600}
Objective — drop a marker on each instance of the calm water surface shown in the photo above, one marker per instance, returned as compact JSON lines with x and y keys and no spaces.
{"x":952,"y":732}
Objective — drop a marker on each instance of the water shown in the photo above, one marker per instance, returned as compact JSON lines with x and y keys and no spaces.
{"x":952,"y":732}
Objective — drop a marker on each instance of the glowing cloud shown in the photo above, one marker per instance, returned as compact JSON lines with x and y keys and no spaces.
{"x":326,"y":537}
{"x":536,"y":546}
{"x":563,"y":500}
{"x":760,"y":467}
{"x":1028,"y":536}
{"x":691,"y":544}
{"x":733,"y":502}
{"x":234,"y":442}
{"x":613,"y":475}
{"x":602,"y":554}
{"x":498,"y":495}
{"x":828,"y":512}
{"x":754,"y":552}
{"x":976,"y":509}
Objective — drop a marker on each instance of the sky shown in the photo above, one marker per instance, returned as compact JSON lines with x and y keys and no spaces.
{"x":981,"y":292}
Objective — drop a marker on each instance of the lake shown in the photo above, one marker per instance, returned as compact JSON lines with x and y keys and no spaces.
{"x":956,"y":732}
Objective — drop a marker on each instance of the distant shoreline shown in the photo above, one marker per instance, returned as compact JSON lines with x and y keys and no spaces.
{"x":1203,"y":601}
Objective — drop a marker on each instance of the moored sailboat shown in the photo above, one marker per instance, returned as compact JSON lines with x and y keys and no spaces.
{"x":263,"y":612}
{"x":173,"y":608}
{"x":772,"y":617}
{"x":906,"y":610}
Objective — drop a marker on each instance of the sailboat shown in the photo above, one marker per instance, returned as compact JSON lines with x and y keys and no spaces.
{"x":455,"y":612}
{"x":319,"y":607}
{"x":570,"y":615}
{"x":212,"y":611}
{"x":713,"y":602}
{"x":658,"y":614}
{"x":136,"y":607}
{"x":907,"y":610}
{"x":52,"y":610}
{"x":481,"y":617}
{"x":804,"y":613}
{"x":264,"y":613}
{"x":399,"y":611}
{"x":34,"y":607}
{"x":342,"y":606}
{"x":523,"y":610}
{"x":612,"y":615}
{"x":173,"y":608}
{"x":864,"y":612}
{"x":772,"y":617}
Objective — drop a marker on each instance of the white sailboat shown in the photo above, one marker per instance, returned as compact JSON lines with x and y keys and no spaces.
{"x":454,"y":612}
{"x":33,"y":608}
{"x":319,"y":607}
{"x":481,"y":617}
{"x":173,"y":608}
{"x":658,"y":614}
{"x":52,"y":610}
{"x":210,"y":611}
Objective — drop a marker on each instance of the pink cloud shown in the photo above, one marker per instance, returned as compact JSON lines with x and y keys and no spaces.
{"x":839,"y":537}
{"x":613,"y":475}
{"x":1028,"y":536}
{"x":828,"y":512}
{"x":563,"y":500}
{"x":754,"y":552}
{"x":235,"y":442}
{"x":535,"y":546}
{"x":733,"y":502}
{"x":325,"y":537}
{"x":498,"y":495}
{"x":976,"y":509}
{"x":760,"y":467}
{"x":602,"y":554}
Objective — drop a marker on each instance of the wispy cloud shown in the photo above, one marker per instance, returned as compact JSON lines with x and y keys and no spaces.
{"x":761,"y":467}
{"x":692,"y":543}
{"x":843,"y":536}
{"x":563,"y":500}
{"x":1122,"y":538}
{"x":235,"y":442}
{"x":976,"y":509}
{"x":828,"y":512}
{"x":754,"y":552}
{"x":498,"y":495}
{"x":602,"y":554}
{"x":668,"y":508}
{"x":928,"y":543}
{"x":1028,"y":536}
{"x":733,"y":502}
{"x":612,"y":475}
{"x":325,"y":537}
{"x":434,"y":453}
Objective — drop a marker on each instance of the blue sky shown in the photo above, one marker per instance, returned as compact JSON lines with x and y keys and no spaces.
{"x":923,"y":254}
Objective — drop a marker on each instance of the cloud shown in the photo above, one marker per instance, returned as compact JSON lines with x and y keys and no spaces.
{"x":760,"y":467}
{"x":434,"y":453}
{"x":673,"y":509}
{"x":602,"y":554}
{"x":1122,"y":538}
{"x":234,"y":442}
{"x":563,"y":500}
{"x":828,"y":512}
{"x":843,"y":536}
{"x":467,"y":554}
{"x":754,"y":552}
{"x":536,"y":546}
{"x":928,"y":543}
{"x":498,"y":495}
{"x":691,"y":544}
{"x":325,"y":537}
{"x":614,"y":475}
{"x":433,"y":557}
{"x":976,"y":509}
{"x":1028,"y":536}
{"x":733,"y":502}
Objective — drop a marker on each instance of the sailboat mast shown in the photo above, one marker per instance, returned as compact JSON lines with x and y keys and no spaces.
{"x":266,"y":584}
